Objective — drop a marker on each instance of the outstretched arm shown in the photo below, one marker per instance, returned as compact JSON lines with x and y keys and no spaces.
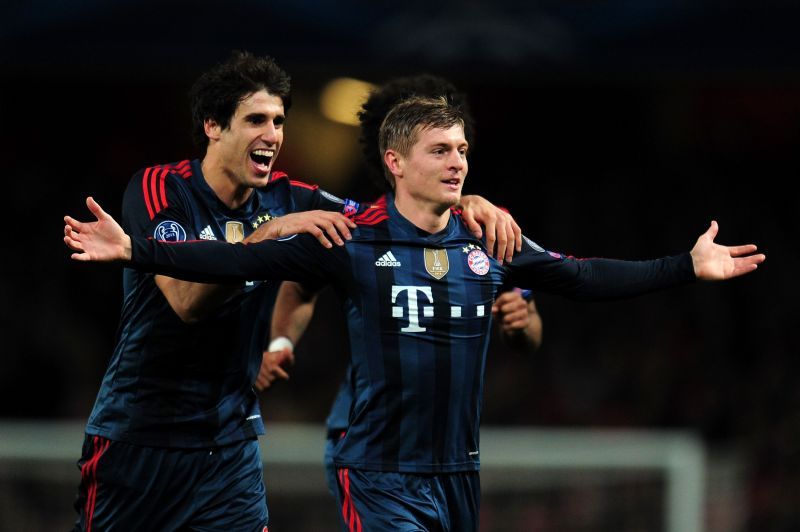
{"x":713,"y":262}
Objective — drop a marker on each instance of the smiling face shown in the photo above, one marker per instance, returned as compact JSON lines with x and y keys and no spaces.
{"x":432,"y":173}
{"x":246,"y":150}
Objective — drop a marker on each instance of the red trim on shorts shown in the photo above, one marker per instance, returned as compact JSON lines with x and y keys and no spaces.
{"x":353,"y":522}
{"x":89,"y":474}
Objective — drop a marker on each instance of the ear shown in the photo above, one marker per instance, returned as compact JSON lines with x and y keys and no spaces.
{"x":394,"y":162}
{"x":212,"y":129}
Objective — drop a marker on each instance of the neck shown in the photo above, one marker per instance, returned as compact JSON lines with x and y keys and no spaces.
{"x":224,"y":185}
{"x":428,"y":216}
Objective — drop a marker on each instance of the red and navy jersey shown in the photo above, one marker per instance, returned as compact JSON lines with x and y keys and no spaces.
{"x":190,"y":385}
{"x":419,"y":316}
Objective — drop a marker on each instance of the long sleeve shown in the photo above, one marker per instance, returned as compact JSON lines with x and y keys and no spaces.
{"x":597,"y":279}
{"x":298,"y":258}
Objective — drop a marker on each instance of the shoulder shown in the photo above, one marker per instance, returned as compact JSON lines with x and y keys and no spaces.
{"x":371,"y":214}
{"x":156,"y":187}
{"x":280,"y":178}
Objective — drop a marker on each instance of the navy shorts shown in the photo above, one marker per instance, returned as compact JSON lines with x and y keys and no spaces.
{"x":132,"y":487}
{"x":376,"y":501}
{"x":330,"y":469}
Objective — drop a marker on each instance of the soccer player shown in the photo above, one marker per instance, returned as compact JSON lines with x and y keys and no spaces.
{"x":171,"y":440}
{"x":418,"y":328}
{"x":514,"y":311}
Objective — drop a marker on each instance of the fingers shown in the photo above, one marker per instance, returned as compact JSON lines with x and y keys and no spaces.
{"x":72,"y":243}
{"x":509,"y":303}
{"x":747,"y":264}
{"x":325,"y":226}
{"x":95,"y":208}
{"x":713,"y":229}
{"x":280,"y":372}
{"x":271,"y":369}
{"x":517,"y":235}
{"x":73,"y":223}
{"x":472,"y":224}
{"x":491,"y":237}
{"x":738,"y":251}
{"x":501,"y":253}
{"x":511,"y":239}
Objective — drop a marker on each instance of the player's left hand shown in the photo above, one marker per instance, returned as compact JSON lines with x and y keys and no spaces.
{"x":503,"y":235}
{"x":272,"y":367}
{"x":714,"y":262}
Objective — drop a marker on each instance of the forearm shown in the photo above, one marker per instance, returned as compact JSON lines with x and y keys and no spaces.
{"x":193,"y":302}
{"x":601,"y":279}
{"x":293,"y":310}
{"x":220,"y":262}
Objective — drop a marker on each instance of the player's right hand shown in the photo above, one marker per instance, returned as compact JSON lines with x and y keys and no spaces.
{"x":272,"y":367}
{"x":326,"y":226}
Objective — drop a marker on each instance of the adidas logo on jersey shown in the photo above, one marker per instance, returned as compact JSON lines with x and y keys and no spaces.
{"x":207,"y":233}
{"x":388,"y":259}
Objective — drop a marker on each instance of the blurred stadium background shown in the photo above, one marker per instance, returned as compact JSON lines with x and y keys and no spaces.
{"x":608,"y":128}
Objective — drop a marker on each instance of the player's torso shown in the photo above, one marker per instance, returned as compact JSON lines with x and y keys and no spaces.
{"x":170,"y":382}
{"x":418,"y":349}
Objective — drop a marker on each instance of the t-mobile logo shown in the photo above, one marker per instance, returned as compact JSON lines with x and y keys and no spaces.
{"x":413,"y":307}
{"x":414,"y":303}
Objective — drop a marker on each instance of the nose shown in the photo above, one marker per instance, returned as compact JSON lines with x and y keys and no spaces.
{"x":270,"y":133}
{"x":457,"y":160}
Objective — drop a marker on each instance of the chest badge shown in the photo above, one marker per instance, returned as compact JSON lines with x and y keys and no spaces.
{"x":436,"y":262}
{"x":477,"y":260}
{"x":234,"y":232}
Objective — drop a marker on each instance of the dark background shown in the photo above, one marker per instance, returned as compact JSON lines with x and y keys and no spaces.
{"x":608,"y":128}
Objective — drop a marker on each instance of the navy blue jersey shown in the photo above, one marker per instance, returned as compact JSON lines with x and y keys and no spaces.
{"x":418,"y":307}
{"x":190,"y":385}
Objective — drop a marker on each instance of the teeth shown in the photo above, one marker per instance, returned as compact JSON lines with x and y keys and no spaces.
{"x":264,"y":153}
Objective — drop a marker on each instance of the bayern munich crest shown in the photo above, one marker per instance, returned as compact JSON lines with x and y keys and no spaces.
{"x":477,"y":260}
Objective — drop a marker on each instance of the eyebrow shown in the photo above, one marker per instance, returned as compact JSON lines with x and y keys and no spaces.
{"x":255,"y":114}
{"x":448,"y":145}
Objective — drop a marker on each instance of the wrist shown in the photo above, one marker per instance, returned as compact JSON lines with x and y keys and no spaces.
{"x":280,"y":343}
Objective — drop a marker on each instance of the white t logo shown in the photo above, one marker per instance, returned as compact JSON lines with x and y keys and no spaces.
{"x":413,"y":309}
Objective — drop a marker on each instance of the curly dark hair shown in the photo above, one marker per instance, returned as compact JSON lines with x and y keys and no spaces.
{"x":216,"y":93}
{"x":381,"y":101}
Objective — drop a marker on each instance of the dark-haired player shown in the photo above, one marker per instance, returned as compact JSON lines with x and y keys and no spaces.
{"x":171,"y":441}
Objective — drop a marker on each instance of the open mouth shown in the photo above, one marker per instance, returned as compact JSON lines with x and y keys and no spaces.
{"x":452,"y":183}
{"x":262,"y":158}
